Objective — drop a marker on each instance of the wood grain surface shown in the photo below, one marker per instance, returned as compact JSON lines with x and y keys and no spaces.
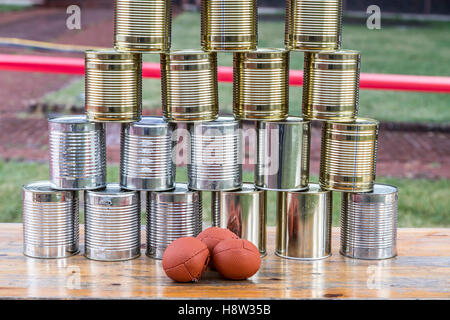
{"x":422,"y":270}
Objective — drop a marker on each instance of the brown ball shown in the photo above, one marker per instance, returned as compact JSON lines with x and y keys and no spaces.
{"x":236,"y":259}
{"x":212,"y":236}
{"x":185,"y":259}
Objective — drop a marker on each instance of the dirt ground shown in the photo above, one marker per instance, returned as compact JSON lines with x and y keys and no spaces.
{"x":402,"y":153}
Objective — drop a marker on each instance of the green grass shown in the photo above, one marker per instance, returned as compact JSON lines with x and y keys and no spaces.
{"x":422,"y":203}
{"x":12,"y":7}
{"x":393,"y":49}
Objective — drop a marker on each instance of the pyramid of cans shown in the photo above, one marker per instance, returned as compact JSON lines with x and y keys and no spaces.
{"x":189,"y":95}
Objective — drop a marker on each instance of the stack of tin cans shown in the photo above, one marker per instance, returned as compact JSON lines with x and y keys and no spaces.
{"x":215,"y":144}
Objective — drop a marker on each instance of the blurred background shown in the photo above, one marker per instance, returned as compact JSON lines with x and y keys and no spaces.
{"x":414,"y":139}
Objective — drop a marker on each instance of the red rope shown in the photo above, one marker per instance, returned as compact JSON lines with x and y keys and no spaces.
{"x":225,"y":74}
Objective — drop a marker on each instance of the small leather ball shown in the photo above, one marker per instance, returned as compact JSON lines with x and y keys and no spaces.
{"x":236,"y":259}
{"x":212,"y":236}
{"x":185,"y":259}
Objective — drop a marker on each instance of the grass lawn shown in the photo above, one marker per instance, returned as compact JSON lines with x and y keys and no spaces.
{"x":12,"y":7}
{"x":422,"y":203}
{"x":420,"y":50}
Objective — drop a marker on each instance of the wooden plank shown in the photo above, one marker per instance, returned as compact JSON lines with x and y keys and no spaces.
{"x":422,"y":270}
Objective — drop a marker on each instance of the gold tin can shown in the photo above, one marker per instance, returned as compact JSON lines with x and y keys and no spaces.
{"x":189,"y":85}
{"x":331,"y":85}
{"x":142,"y":25}
{"x":313,"y":25}
{"x":113,"y":86}
{"x":261,"y":84}
{"x":348,"y":157}
{"x":229,"y":25}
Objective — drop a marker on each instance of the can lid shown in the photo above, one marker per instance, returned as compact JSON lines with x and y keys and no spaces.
{"x":219,"y":122}
{"x":181,"y":193}
{"x":188,"y":54}
{"x":147,"y":121}
{"x":382,"y":193}
{"x":313,"y":188}
{"x":73,"y":123}
{"x":111,"y":189}
{"x":337,"y":54}
{"x":246,"y":188}
{"x":358,"y":123}
{"x":265,"y":53}
{"x":110,"y":54}
{"x":40,"y":187}
{"x":288,"y":121}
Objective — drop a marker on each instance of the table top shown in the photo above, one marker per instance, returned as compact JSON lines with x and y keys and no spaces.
{"x":421,"y":270}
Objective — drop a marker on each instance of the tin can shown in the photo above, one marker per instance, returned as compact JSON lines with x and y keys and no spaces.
{"x":348,"y":155}
{"x":112,"y":224}
{"x":50,"y":221}
{"x":244,"y":212}
{"x":313,"y":25}
{"x":189,"y":85}
{"x":113,"y":86}
{"x":331,"y":85}
{"x":282,"y":154}
{"x":369,"y":223}
{"x":304,"y":224}
{"x":172,"y":215}
{"x":146,"y":161}
{"x":229,"y":25}
{"x":261,"y":84}
{"x":77,"y":153}
{"x":142,"y":25}
{"x":215,"y":157}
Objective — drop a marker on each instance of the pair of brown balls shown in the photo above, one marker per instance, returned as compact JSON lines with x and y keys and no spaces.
{"x":186,"y":259}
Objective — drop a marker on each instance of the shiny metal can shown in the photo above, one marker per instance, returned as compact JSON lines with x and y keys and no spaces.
{"x":142,"y":25}
{"x":282,"y":154}
{"x":243,"y":211}
{"x":229,"y":25}
{"x":313,"y":25}
{"x":50,"y":221}
{"x":112,"y":229}
{"x":172,"y":215}
{"x":348,"y":155}
{"x":369,"y":223}
{"x":113,"y":86}
{"x":304,"y":224}
{"x":189,"y":85}
{"x":215,"y":155}
{"x":331,"y":85}
{"x":77,"y":153}
{"x":261,"y":84}
{"x":146,"y":161}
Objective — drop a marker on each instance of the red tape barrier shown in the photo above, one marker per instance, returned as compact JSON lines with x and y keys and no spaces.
{"x":27,"y":63}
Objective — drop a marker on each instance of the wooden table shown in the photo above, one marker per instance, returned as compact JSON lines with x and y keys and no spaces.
{"x":422,"y":270}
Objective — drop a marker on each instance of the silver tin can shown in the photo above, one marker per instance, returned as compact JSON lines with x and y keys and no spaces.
{"x":215,"y":158}
{"x":304,"y":224}
{"x":146,"y":161}
{"x":172,"y":215}
{"x":282,"y":154}
{"x":244,"y":212}
{"x":50,"y":221}
{"x":77,"y":153}
{"x":369,"y":223}
{"x":112,"y":224}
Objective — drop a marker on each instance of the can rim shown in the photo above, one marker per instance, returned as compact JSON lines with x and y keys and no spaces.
{"x":153,"y":121}
{"x":223,"y":120}
{"x":288,"y":120}
{"x":70,"y":119}
{"x":316,"y":189}
{"x":247,"y":188}
{"x":109,"y":54}
{"x":269,"y":52}
{"x":42,"y":186}
{"x":188,"y":52}
{"x":111,"y":189}
{"x":355,"y":122}
{"x":337,"y":53}
{"x":180,"y":188}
